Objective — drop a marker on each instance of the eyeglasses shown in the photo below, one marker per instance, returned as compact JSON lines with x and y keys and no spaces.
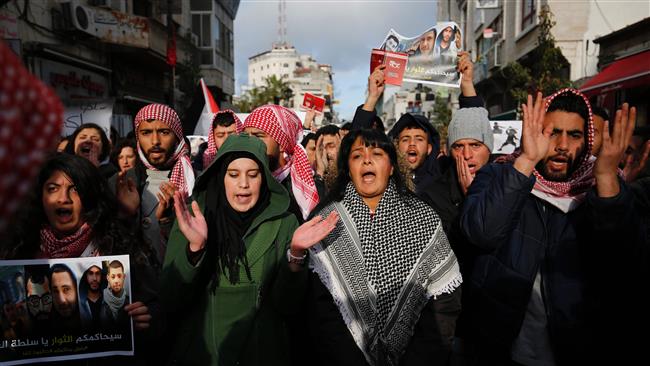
{"x":35,"y":300}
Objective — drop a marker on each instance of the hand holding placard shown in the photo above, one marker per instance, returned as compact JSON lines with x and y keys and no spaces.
{"x":395,"y":63}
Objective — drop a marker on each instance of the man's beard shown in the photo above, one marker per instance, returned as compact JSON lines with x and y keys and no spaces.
{"x":274,"y":163}
{"x":572,"y":166}
{"x":166,"y":162}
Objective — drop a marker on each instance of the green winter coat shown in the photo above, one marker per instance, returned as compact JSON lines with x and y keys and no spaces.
{"x":244,"y":323}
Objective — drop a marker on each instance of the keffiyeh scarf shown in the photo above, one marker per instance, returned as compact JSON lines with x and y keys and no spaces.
{"x":71,"y":246}
{"x":182,"y":173}
{"x":285,"y":128}
{"x":382,"y":270}
{"x":31,"y":118}
{"x":211,"y":151}
{"x":567,"y":195}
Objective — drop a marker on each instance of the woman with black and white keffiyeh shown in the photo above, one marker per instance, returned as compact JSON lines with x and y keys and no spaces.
{"x":384,"y":280}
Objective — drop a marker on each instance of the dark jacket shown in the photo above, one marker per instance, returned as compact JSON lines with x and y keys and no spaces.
{"x":582,"y":256}
{"x":332,"y":343}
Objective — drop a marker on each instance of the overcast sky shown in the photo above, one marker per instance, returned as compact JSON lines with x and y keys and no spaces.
{"x":336,"y":32}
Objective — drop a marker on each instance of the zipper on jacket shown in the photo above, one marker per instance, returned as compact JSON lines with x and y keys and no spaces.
{"x":544,"y":269}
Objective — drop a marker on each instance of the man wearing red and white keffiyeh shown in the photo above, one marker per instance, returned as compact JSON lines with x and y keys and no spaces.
{"x":163,"y":151}
{"x":155,"y":155}
{"x":281,"y":131}
{"x":224,"y":123}
{"x":557,"y":243}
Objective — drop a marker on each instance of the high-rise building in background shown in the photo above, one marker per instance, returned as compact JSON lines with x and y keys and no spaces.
{"x":302,"y":73}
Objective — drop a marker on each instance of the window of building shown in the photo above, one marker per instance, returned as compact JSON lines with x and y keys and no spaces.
{"x":202,"y":5}
{"x":285,"y":65}
{"x":201,"y":27}
{"x":225,"y":44}
{"x":527,"y":13}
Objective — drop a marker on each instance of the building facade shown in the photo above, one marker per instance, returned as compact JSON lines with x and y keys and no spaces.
{"x":498,"y":32}
{"x":111,"y":56}
{"x":624,"y":71}
{"x":302,"y":73}
{"x":419,"y":101}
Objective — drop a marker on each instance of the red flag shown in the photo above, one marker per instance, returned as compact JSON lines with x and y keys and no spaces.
{"x":171,"y":47}
{"x":210,"y":104}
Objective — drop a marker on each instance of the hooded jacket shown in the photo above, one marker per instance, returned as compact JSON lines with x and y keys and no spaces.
{"x":577,"y":260}
{"x":426,"y":173}
{"x":242,"y":323}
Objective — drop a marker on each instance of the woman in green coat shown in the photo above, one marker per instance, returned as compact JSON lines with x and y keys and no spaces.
{"x":233,"y":273}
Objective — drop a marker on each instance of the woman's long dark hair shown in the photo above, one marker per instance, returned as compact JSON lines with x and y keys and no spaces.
{"x":370,"y":137}
{"x":106,"y":144}
{"x":99,"y":210}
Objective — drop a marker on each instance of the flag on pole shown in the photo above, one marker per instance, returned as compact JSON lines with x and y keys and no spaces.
{"x":209,"y":109}
{"x":171,"y":46}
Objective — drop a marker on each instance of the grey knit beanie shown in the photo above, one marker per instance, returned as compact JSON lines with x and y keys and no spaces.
{"x":470,"y":123}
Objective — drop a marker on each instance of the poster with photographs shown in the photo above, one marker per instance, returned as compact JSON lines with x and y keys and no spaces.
{"x":432,"y":55}
{"x":65,"y":309}
{"x":507,"y":136}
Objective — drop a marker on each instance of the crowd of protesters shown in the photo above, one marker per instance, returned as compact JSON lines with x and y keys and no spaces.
{"x":277,"y":245}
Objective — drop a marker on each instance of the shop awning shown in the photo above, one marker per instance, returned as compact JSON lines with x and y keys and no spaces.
{"x":625,"y":73}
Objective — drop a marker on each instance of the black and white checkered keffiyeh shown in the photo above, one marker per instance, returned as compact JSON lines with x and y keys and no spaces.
{"x":382,"y":270}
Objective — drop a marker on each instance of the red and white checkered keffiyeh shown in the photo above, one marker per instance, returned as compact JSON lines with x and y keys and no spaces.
{"x":182,"y":173}
{"x":569,"y":194}
{"x":211,"y":151}
{"x":70,"y":246}
{"x":31,"y":118}
{"x":285,"y":128}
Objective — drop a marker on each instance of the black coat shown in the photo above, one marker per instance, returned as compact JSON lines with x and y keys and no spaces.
{"x":586,"y":259}
{"x":332,"y":344}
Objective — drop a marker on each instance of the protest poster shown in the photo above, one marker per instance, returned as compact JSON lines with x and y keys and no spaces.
{"x":432,"y":55}
{"x":311,"y":101}
{"x":49,"y":313}
{"x":395,"y":65}
{"x":507,"y":136}
{"x":78,"y":113}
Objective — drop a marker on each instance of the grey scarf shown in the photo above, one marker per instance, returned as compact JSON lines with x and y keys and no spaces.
{"x":114,"y":303}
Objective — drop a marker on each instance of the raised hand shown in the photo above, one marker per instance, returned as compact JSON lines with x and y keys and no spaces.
{"x":535,"y":135}
{"x":376,"y":87}
{"x":311,"y":232}
{"x":127,"y":194}
{"x":612,"y":150}
{"x":465,"y":177}
{"x":321,"y":157}
{"x":634,"y":166}
{"x":165,"y":200}
{"x":140,"y":314}
{"x":194,"y":227}
{"x":310,"y":115}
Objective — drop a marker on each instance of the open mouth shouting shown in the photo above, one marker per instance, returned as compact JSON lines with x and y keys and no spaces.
{"x":558,"y":163}
{"x":412,"y":156}
{"x":368,"y":176}
{"x":85,"y":149}
{"x":63,"y":215}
